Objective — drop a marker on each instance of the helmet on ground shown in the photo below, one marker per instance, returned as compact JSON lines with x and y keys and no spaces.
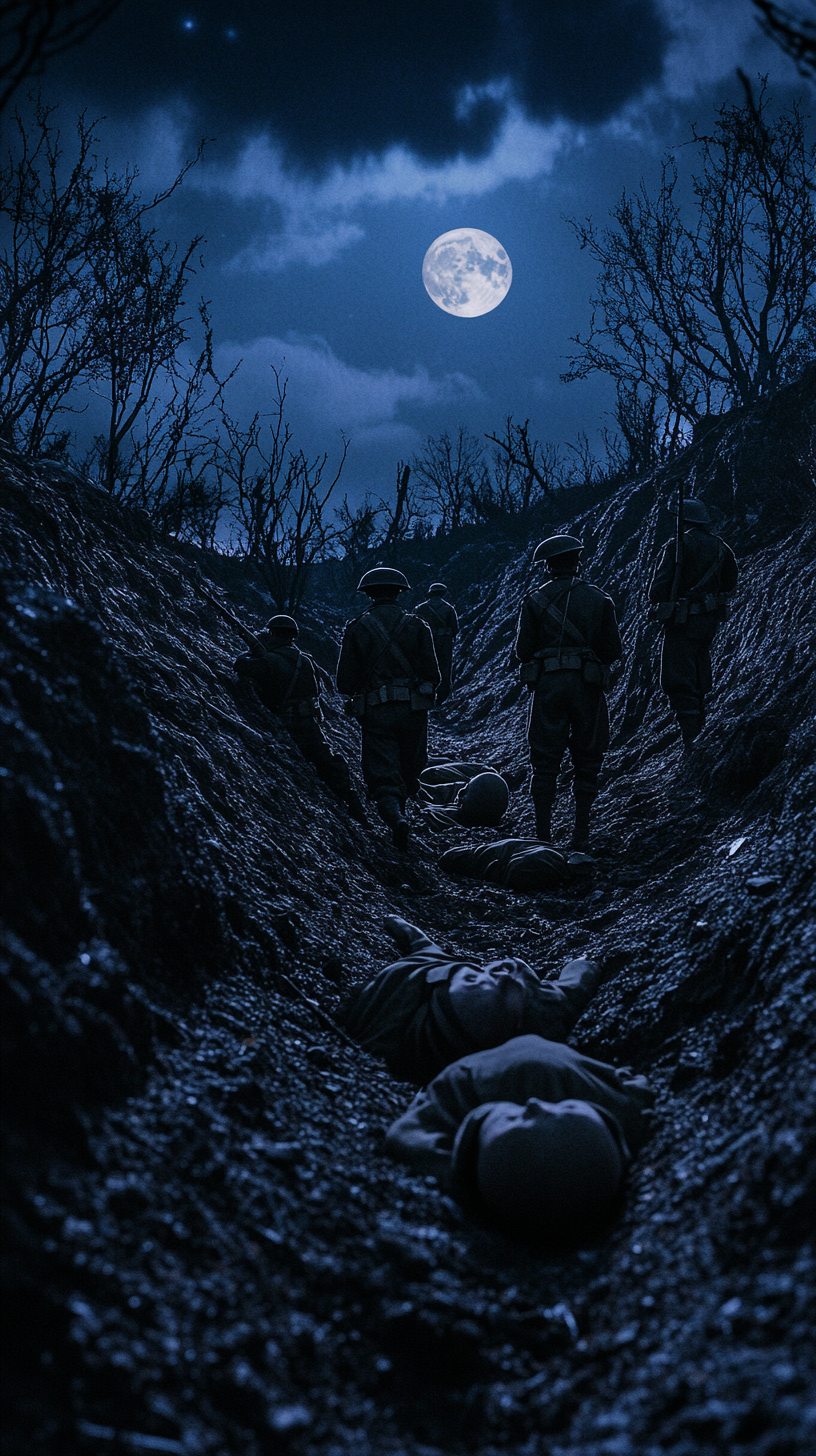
{"x":483,"y":801}
{"x":694,"y":513}
{"x":383,"y":578}
{"x":282,"y":626}
{"x":437,"y":587}
{"x":556,"y":546}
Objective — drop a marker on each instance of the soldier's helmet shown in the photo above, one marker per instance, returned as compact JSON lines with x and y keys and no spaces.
{"x":483,"y":801}
{"x":556,"y":546}
{"x":282,"y":626}
{"x":694,"y":513}
{"x":437,"y":588}
{"x":383,"y":579}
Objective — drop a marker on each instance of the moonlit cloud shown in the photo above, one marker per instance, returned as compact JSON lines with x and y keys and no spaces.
{"x":327,"y":395}
{"x":317,"y":215}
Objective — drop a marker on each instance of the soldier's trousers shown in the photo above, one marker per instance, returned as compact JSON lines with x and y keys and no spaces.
{"x":685,"y":674}
{"x":394,"y":753}
{"x":567,"y":713}
{"x":330,"y":767}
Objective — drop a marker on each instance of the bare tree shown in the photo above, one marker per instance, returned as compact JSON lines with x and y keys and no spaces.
{"x":405,"y":516}
{"x":450,"y":472}
{"x":356,"y":533}
{"x":796,"y":34}
{"x":523,"y":471}
{"x":32,"y":31}
{"x":281,"y":499}
{"x":719,"y":311}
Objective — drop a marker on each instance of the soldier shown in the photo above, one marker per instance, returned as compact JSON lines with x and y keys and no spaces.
{"x":444,"y":624}
{"x":530,"y":1133}
{"x":286,"y":682}
{"x":691,"y":604}
{"x":389,"y":671}
{"x":567,"y":638}
{"x":430,"y":1007}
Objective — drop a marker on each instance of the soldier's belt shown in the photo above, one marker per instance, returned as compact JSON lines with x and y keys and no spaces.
{"x":421,"y":699}
{"x":679,"y":611}
{"x":586,"y":663}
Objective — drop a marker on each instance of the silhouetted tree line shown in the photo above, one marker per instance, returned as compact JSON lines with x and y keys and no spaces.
{"x":693,"y":315}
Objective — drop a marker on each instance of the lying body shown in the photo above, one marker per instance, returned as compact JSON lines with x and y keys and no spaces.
{"x":531,"y":1133}
{"x":429,"y":1008}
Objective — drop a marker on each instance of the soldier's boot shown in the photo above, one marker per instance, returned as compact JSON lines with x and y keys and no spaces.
{"x":580,"y":833}
{"x":354,"y":805}
{"x":400,"y":834}
{"x":690,"y":725}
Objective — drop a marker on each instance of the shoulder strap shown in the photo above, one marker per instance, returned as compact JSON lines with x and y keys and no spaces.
{"x":568,"y":628}
{"x":290,"y":686}
{"x":440,"y":619}
{"x":715,"y":565}
{"x":389,"y":640}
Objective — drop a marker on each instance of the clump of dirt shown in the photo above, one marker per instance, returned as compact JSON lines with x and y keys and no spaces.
{"x":206,"y":1250}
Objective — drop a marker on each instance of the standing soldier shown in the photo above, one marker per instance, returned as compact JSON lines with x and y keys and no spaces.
{"x":444,"y":624}
{"x":286,"y":682}
{"x":693,"y":581}
{"x":567,"y":638}
{"x":389,"y":671}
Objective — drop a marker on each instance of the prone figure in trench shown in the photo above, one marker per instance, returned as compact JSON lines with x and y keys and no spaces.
{"x":286,"y":681}
{"x":429,"y":1008}
{"x":531,"y":1135}
{"x":567,"y":640}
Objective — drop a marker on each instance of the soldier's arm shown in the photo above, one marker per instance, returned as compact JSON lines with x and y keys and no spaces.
{"x":527,"y":635}
{"x":454,"y":620}
{"x":660,"y":589}
{"x":422,"y":1138}
{"x":249,"y":666}
{"x":609,"y":647}
{"x":577,"y":983}
{"x":729,"y":571}
{"x":350,"y":669}
{"x":426,"y":666}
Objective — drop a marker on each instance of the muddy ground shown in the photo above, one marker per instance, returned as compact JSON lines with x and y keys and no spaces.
{"x":206,"y":1250}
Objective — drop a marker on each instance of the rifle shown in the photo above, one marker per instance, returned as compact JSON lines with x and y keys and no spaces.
{"x":249,"y":637}
{"x":679,"y":545}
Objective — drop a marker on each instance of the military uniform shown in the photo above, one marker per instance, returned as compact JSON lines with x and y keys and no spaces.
{"x":444,"y":624}
{"x":405,"y":1014}
{"x":708,"y":575}
{"x":567,"y":638}
{"x":285,"y":680}
{"x":388,"y":669}
{"x":431,"y":1137}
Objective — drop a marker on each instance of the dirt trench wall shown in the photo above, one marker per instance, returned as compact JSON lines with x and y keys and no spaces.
{"x":206,"y":1250}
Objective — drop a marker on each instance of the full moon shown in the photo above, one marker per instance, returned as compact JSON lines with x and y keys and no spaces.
{"x":467,"y":272}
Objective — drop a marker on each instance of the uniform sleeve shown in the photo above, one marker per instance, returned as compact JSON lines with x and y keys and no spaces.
{"x":350,"y":668}
{"x":609,"y":647}
{"x":454,"y":619}
{"x":426,"y":666}
{"x":423,"y":1137}
{"x":527,"y":635}
{"x":577,"y":983}
{"x":249,"y":666}
{"x":729,"y":571}
{"x":660,"y":589}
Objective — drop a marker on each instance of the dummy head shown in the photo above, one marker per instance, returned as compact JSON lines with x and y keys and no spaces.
{"x":550,"y":1169}
{"x":487,"y":1002}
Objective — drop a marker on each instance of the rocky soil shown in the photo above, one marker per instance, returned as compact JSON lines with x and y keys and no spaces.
{"x":205,"y":1249}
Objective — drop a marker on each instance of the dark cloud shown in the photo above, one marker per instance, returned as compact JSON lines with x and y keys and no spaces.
{"x":334,"y":78}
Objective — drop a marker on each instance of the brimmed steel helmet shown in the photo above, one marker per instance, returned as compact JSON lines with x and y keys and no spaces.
{"x":556,"y":546}
{"x":282,"y":626}
{"x":694,"y":513}
{"x":483,"y":801}
{"x":383,"y":578}
{"x":437,"y":587}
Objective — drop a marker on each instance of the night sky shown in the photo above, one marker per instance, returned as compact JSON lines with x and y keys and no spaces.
{"x":344,"y":138}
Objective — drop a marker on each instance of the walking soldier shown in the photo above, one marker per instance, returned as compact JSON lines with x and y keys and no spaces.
{"x":286,"y":682}
{"x":691,"y":587}
{"x":444,"y":624}
{"x":567,"y":639}
{"x":389,"y":672}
